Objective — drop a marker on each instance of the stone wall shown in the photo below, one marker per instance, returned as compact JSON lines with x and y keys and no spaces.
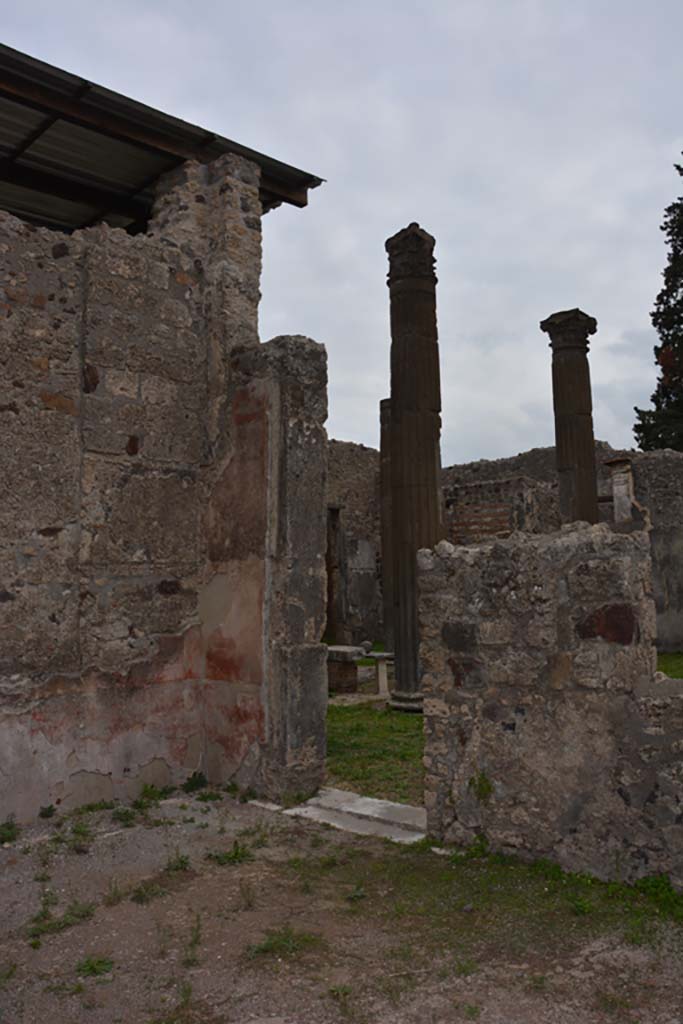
{"x":353,"y":488}
{"x":547,"y":730}
{"x":496,"y":508}
{"x":157,"y":615}
{"x":658,"y":487}
{"x":536,"y":464}
{"x":482,"y":500}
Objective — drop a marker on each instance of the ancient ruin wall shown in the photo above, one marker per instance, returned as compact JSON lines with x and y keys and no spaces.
{"x":496,"y":508}
{"x":353,"y":487}
{"x":483,"y":501}
{"x":150,"y":482}
{"x":658,"y":487}
{"x":547,"y":730}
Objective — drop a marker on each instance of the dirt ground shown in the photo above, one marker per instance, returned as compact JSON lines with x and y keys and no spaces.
{"x":288,"y":922}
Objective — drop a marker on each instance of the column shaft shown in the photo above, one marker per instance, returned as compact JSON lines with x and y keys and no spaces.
{"x":573,"y":408}
{"x":415,"y":429}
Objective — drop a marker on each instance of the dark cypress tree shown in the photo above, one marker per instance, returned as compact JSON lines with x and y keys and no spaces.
{"x":662,"y":426}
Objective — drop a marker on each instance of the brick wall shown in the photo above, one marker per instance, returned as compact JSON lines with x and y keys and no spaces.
{"x":496,"y":508}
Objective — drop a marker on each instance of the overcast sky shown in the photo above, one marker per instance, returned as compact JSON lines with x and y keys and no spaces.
{"x":533,"y":138}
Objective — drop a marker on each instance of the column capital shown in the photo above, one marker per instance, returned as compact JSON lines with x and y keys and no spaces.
{"x":569,"y":328}
{"x":411,"y":254}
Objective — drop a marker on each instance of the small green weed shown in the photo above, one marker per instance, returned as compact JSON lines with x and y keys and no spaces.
{"x":285,"y":942}
{"x":80,"y":837}
{"x":357,"y":894}
{"x":237,"y":855}
{"x":610,"y":1002}
{"x":195,"y":782}
{"x":178,"y":862}
{"x":9,"y":830}
{"x":341,"y":995}
{"x":63,"y":988}
{"x":147,"y":891}
{"x":47,"y":812}
{"x":294,"y":799}
{"x":99,"y":805}
{"x":6,"y":974}
{"x":124,"y":816}
{"x":191,"y":957}
{"x":150,"y":796}
{"x":482,"y":787}
{"x":94,"y":966}
{"x":464,"y":968}
{"x":114,"y":894}
{"x":580,"y":905}
{"x":44,"y":923}
{"x":210,"y":796}
{"x":257,"y":835}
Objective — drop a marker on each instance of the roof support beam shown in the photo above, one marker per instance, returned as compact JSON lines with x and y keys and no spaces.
{"x":39,"y":98}
{"x":75,"y":192}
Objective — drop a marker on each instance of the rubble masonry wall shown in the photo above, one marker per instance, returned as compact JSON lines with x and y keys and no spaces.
{"x":547,"y":730}
{"x":155,"y":455}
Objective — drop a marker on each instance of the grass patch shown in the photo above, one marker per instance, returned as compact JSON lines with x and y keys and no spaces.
{"x":285,"y":942}
{"x":150,"y":796}
{"x":376,"y":752}
{"x":671,"y":665}
{"x":473,"y":906}
{"x":93,"y":808}
{"x":124,"y":816}
{"x":7,"y":973}
{"x":80,"y":837}
{"x":94,"y":966}
{"x":9,"y":831}
{"x":45,"y":922}
{"x":114,"y":894}
{"x":147,"y":891}
{"x":195,"y":782}
{"x":237,"y":855}
{"x":191,"y":956}
{"x":178,"y":862}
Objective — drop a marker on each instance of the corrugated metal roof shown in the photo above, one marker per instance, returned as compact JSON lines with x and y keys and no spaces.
{"x":73,"y":153}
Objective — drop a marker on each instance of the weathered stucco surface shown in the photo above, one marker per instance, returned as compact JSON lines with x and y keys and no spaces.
{"x":158,"y":459}
{"x":547,"y":730}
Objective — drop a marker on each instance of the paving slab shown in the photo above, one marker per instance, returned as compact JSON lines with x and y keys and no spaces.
{"x":403,"y":815}
{"x":364,"y":815}
{"x":352,"y":823}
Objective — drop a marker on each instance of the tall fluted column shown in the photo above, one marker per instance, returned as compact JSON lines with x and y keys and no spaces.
{"x":385,"y":521}
{"x":574,"y":443}
{"x":416,"y":513}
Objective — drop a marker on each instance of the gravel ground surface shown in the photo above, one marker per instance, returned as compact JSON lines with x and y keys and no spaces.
{"x":212,"y":910}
